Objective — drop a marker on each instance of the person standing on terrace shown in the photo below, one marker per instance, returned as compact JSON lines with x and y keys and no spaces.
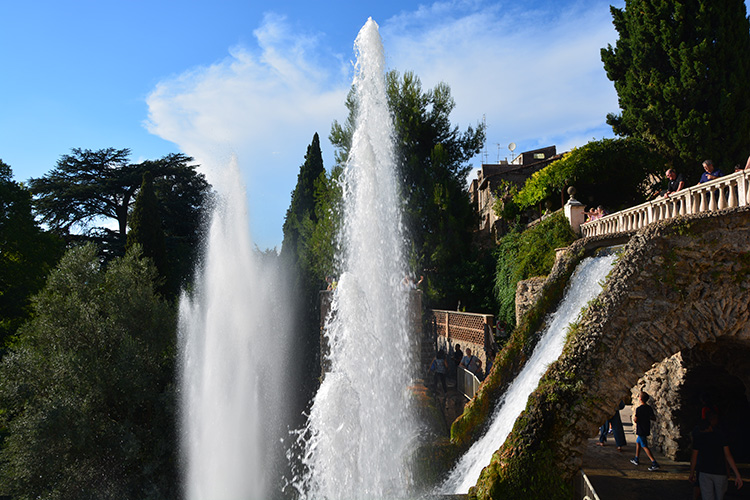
{"x":675,"y":182}
{"x":710,"y":173}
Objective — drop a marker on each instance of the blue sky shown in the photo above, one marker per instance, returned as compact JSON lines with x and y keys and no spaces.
{"x":255,"y":80}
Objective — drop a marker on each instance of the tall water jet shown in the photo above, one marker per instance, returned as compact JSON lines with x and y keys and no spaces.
{"x":361,"y":428}
{"x":585,"y":285}
{"x":232,"y":347}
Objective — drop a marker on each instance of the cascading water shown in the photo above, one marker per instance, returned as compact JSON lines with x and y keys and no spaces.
{"x":232,"y":341}
{"x":584,"y":286}
{"x":361,"y":428}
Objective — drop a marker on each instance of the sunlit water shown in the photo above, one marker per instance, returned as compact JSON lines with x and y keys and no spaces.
{"x":232,"y":352}
{"x":584,"y":286}
{"x":361,"y":429}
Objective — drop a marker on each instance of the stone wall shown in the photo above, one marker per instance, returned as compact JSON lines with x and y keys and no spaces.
{"x":527,"y":293}
{"x":678,"y":284}
{"x":663,"y":382}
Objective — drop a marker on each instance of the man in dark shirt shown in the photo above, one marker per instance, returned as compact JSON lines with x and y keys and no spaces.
{"x":675,"y":182}
{"x":710,"y":457}
{"x":644,"y":414}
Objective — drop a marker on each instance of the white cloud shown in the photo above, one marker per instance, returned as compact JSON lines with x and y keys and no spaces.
{"x":535,"y":74}
{"x":262,"y":104}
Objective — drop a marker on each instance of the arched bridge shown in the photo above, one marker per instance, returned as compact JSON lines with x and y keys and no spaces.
{"x":680,"y":283}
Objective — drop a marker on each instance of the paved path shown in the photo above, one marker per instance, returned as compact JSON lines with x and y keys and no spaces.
{"x":613,"y":477}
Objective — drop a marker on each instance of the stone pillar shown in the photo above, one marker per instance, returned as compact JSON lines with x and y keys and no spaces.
{"x":574,"y":211}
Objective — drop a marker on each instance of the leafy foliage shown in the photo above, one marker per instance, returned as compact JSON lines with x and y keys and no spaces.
{"x":87,"y":187}
{"x":86,"y":391}
{"x":681,"y":69}
{"x":27,"y":254}
{"x":523,"y":255}
{"x":609,"y":172}
{"x":432,"y":157}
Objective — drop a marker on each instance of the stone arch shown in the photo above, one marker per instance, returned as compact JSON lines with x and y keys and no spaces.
{"x":678,"y":284}
{"x":717,"y":371}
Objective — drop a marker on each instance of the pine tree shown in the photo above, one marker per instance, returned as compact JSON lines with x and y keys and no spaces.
{"x":681,"y":71}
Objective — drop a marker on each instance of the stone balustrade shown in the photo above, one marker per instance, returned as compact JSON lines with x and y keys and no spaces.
{"x":728,"y":191}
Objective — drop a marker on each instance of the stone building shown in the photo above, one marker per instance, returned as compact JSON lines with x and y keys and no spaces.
{"x":490,"y":178}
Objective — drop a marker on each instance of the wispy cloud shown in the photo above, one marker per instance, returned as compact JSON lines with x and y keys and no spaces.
{"x":262,"y":103}
{"x":534,"y":73}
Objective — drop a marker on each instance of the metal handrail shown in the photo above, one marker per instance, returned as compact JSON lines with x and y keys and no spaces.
{"x":466,"y":382}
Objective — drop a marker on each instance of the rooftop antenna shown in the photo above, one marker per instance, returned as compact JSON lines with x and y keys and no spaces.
{"x":512,"y":147}
{"x":498,"y":152}
{"x":484,"y":151}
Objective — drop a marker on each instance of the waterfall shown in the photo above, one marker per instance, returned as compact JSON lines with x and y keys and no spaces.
{"x":232,"y":346}
{"x":584,"y":286}
{"x":361,"y":429}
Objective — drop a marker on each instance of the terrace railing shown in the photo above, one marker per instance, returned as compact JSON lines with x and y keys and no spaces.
{"x":725,"y":192}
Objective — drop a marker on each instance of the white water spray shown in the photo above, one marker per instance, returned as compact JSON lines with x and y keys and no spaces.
{"x":232,"y":344}
{"x":584,"y":286}
{"x":361,"y":429}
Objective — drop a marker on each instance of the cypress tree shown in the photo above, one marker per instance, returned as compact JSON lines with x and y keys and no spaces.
{"x":302,"y":205}
{"x":681,"y":70}
{"x":145,"y":226}
{"x":299,"y":224}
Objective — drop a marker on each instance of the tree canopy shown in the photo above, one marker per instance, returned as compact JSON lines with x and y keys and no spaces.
{"x":87,"y":389}
{"x":87,"y":188}
{"x":609,"y":172}
{"x":681,"y":69}
{"x":27,"y":254}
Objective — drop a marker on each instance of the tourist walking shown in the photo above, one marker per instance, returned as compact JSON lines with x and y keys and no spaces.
{"x":644,"y":414}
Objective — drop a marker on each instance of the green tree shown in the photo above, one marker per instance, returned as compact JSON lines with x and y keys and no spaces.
{"x":681,"y":69}
{"x":87,"y":390}
{"x":145,"y":227}
{"x":88,"y":187}
{"x":27,"y":254}
{"x":432,"y":157}
{"x":302,"y":206}
{"x":609,"y":172}
{"x":297,"y":256}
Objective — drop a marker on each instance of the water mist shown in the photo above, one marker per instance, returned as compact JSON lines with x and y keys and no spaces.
{"x":232,"y":342}
{"x":361,"y":428}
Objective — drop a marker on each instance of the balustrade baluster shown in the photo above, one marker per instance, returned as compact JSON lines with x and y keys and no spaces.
{"x":733,"y":193}
{"x":722,"y":201}
{"x":712,"y":204}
